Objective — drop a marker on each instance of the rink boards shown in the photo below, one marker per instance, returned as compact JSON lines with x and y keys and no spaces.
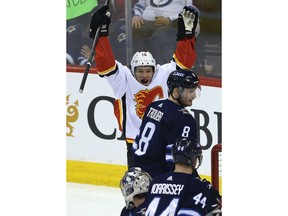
{"x":95,"y":148}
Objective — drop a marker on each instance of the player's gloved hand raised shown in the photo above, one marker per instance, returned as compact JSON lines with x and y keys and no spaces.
{"x":187,"y":22}
{"x":101,"y":17}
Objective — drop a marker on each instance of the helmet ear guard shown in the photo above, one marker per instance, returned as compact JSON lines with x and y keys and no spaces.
{"x":142,"y":59}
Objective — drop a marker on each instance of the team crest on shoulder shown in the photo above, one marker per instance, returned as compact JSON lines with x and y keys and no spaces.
{"x":170,"y":178}
{"x":184,"y":111}
{"x":142,"y":211}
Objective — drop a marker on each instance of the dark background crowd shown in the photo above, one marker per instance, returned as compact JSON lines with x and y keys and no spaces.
{"x":208,"y":44}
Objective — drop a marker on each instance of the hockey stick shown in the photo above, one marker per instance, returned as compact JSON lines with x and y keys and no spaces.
{"x":88,"y":64}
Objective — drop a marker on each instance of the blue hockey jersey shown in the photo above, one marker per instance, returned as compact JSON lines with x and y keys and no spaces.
{"x":175,"y":193}
{"x":136,"y":211}
{"x":163,"y":123}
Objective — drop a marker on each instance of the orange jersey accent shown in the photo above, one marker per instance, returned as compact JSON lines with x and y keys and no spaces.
{"x":185,"y":55}
{"x":118,"y":112}
{"x":104,"y":57}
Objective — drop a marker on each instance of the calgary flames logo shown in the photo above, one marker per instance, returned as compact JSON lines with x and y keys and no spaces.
{"x":144,"y":97}
{"x":72,"y":115}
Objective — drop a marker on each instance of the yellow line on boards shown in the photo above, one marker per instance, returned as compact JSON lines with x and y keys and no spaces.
{"x":101,"y":174}
{"x":94,"y":173}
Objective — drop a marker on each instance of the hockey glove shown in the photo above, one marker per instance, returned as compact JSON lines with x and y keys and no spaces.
{"x":215,"y":212}
{"x":102,"y":18}
{"x":187,"y":22}
{"x":215,"y":200}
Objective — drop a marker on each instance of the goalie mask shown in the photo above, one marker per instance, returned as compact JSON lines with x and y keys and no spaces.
{"x":134,"y":182}
{"x":187,"y":152}
{"x":142,"y":59}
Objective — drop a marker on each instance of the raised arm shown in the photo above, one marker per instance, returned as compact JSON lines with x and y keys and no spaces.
{"x":104,"y":57}
{"x":185,"y":53}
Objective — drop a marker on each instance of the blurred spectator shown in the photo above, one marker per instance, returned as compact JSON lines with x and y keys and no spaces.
{"x":117,"y":30}
{"x":78,"y":43}
{"x":209,"y":45}
{"x":154,"y":24}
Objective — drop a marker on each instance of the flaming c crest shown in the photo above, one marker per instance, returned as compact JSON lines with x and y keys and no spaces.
{"x":144,"y":97}
{"x":71,"y":116}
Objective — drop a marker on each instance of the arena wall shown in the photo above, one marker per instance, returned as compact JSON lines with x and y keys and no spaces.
{"x":95,"y":148}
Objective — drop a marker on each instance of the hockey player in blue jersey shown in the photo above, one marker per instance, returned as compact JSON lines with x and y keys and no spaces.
{"x":134,"y":187}
{"x":179,"y":192}
{"x":164,"y":121}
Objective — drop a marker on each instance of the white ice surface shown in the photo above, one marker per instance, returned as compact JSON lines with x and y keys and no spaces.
{"x":90,"y":200}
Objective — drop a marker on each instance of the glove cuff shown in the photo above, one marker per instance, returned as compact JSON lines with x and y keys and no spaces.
{"x":104,"y":30}
{"x":184,"y":34}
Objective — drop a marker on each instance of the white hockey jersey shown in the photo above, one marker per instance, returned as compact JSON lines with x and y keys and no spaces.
{"x":131,"y":97}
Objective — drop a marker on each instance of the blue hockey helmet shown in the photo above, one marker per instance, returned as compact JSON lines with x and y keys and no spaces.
{"x":187,"y":151}
{"x":182,"y":78}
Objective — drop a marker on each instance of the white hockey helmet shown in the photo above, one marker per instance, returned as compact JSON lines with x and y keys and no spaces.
{"x":134,"y":182}
{"x":142,"y":59}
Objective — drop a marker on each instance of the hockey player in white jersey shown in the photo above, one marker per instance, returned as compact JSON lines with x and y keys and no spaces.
{"x":136,"y":87}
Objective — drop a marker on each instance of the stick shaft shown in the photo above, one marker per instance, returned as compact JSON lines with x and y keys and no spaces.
{"x":88,"y":64}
